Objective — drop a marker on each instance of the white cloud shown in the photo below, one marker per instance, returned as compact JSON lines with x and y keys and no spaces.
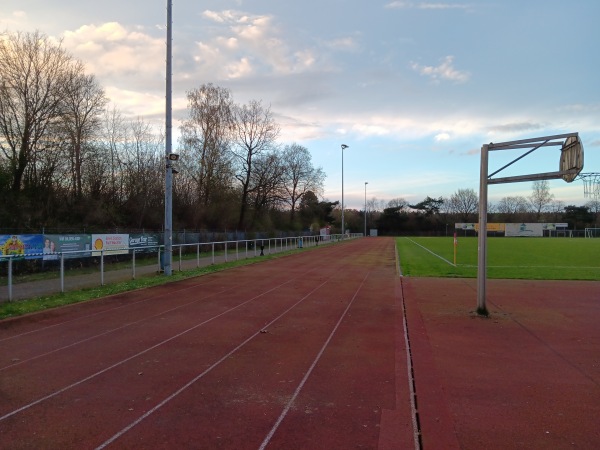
{"x":246,"y":45}
{"x":444,"y":71}
{"x":442,"y":137}
{"x":111,"y":49}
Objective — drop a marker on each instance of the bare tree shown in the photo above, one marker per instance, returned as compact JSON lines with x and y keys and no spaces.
{"x":114,"y":135}
{"x":255,"y":132}
{"x":540,"y":197}
{"x":464,"y":202}
{"x":143,"y":165}
{"x":205,"y":136}
{"x":267,"y":182}
{"x":300,"y":176}
{"x":512,"y":205}
{"x":399,"y":203}
{"x":34,"y":80}
{"x":83,"y":105}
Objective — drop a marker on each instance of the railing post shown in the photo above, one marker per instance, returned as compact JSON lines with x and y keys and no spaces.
{"x":10,"y":283}
{"x":62,"y":272}
{"x":101,"y":267}
{"x":133,"y":265}
{"x":180,"y":246}
{"x":198,"y":255}
{"x":213,"y":252}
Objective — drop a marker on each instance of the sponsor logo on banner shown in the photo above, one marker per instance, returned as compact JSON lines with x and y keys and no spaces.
{"x":110,"y":244}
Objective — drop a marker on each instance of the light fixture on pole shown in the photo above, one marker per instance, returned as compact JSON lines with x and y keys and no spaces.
{"x":344,"y":146}
{"x":366,"y":182}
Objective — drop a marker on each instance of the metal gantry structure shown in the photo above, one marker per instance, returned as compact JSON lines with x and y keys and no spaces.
{"x":570,"y":165}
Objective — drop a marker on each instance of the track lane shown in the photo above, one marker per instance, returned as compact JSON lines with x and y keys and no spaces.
{"x":238,"y":360}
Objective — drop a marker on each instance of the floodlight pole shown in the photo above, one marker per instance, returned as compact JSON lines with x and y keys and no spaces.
{"x":168,"y":238}
{"x":482,"y":234}
{"x":366,"y":182}
{"x":344,"y":146}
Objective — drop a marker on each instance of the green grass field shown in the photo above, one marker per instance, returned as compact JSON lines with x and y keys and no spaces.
{"x":523,"y":258}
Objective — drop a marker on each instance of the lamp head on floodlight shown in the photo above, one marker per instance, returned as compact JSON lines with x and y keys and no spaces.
{"x":344,"y":146}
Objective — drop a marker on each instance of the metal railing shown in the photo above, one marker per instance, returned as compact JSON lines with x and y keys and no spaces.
{"x":206,"y":253}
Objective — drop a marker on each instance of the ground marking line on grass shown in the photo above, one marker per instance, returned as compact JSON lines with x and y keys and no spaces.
{"x":434,"y":254}
{"x":532,"y":267}
{"x":218,"y":362}
{"x":113,"y":330}
{"x":311,"y":368}
{"x":100,"y":372}
{"x":97,"y":313}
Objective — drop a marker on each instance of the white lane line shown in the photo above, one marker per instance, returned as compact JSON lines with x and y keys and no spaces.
{"x":88,"y":378}
{"x":434,"y":254}
{"x":112,"y":330}
{"x":308,"y":373}
{"x":191,"y":382}
{"x":37,"y":330}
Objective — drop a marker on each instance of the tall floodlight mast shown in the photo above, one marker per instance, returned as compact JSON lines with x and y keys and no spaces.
{"x":169,"y":155}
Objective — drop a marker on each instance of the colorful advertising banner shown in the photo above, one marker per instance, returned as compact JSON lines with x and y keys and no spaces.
{"x":475,"y":226}
{"x":111,"y":244}
{"x":144,"y":242}
{"x":67,"y":243}
{"x":23,"y":246}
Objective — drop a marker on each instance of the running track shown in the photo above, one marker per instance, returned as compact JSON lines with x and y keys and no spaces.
{"x":301,"y":352}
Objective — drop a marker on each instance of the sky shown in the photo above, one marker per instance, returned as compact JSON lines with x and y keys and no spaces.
{"x":413,"y":88}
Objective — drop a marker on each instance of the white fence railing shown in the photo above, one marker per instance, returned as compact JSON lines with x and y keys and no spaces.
{"x":205,"y":253}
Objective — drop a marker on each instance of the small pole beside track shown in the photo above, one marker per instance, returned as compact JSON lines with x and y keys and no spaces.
{"x":62,"y":272}
{"x":10,"y":283}
{"x":101,"y":267}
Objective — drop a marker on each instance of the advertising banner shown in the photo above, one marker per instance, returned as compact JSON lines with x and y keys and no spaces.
{"x":491,"y":226}
{"x":144,"y":242}
{"x":23,"y":246}
{"x":555,"y":226}
{"x":67,"y":243}
{"x":111,"y":244}
{"x":525,"y":229}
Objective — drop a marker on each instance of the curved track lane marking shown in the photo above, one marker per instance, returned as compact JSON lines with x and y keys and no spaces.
{"x":112,"y":330}
{"x":118,"y":328}
{"x":311,"y":368}
{"x":97,"y":313}
{"x":192,"y":381}
{"x":100,"y":372}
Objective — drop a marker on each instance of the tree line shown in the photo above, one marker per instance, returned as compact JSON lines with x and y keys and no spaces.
{"x":437,"y":216}
{"x":69,"y":159}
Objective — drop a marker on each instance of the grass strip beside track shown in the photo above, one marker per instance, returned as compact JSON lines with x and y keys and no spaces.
{"x":508,"y":258}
